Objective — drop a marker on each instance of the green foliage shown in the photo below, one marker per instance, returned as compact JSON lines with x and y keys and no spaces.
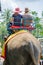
{"x":38,"y":32}
{"x":3,"y":28}
{"x":3,"y":31}
{"x":37,"y":19}
{"x":6,"y":15}
{"x":34,"y":13}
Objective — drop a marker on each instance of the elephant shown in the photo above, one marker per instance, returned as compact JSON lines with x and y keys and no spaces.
{"x":22,"y":48}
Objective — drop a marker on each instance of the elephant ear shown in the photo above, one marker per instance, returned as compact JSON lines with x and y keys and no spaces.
{"x":33,"y":51}
{"x":36,"y":54}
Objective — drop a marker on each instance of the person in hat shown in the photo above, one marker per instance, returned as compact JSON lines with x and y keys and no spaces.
{"x":27,"y":18}
{"x":17,"y":17}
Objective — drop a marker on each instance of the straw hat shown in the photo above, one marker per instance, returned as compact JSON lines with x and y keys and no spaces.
{"x":26,"y":10}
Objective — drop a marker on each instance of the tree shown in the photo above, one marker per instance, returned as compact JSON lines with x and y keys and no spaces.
{"x":38,"y":26}
{"x":3,"y":28}
{"x":34,"y":13}
{"x":6,"y":15}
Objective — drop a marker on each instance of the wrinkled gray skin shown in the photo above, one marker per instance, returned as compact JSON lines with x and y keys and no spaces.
{"x":22,"y":49}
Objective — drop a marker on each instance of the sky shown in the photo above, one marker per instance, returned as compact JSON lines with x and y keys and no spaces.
{"x":33,"y":5}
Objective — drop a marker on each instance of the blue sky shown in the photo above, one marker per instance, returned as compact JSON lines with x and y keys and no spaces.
{"x":36,"y":5}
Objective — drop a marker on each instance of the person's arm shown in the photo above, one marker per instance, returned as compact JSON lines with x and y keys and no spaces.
{"x":30,"y":18}
{"x":9,"y":27}
{"x":21,"y":19}
{"x":13,"y":15}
